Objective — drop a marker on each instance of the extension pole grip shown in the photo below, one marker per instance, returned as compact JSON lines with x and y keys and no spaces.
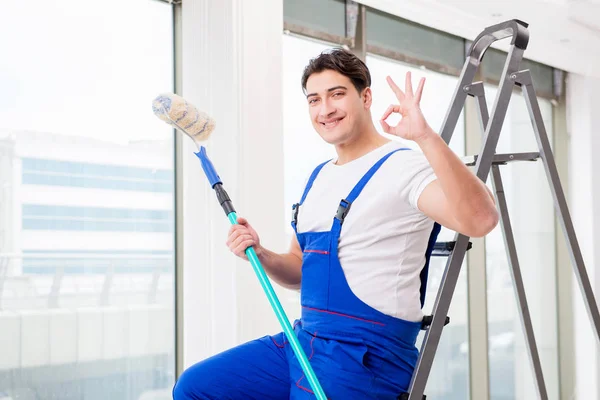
{"x":227,"y":205}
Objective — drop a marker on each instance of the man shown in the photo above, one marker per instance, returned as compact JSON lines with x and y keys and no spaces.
{"x":363,"y":229}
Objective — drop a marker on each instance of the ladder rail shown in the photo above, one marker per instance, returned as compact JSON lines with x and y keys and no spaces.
{"x":458,"y":101}
{"x":440,"y":312}
{"x":485,"y":162}
{"x":523,"y":78}
{"x":482,"y":169}
{"x":512,"y":257}
{"x":520,"y":38}
{"x":514,"y":28}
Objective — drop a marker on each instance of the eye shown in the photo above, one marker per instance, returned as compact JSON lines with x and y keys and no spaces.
{"x":312,"y":101}
{"x":338,"y":94}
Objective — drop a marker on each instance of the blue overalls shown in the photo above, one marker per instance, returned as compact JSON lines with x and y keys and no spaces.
{"x":356,"y":351}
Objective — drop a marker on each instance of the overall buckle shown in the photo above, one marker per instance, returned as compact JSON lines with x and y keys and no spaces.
{"x":342,"y":210}
{"x":295,"y":208}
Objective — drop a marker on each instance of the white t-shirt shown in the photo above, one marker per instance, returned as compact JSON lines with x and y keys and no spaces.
{"x":384,"y":236}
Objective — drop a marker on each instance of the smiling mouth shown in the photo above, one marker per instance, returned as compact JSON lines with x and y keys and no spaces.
{"x":332,"y":124}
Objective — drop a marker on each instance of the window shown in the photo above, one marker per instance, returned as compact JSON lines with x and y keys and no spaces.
{"x":387,"y":32}
{"x":531,"y":211}
{"x":330,"y":18}
{"x":542,"y":75}
{"x":86,"y":202}
{"x":40,"y":171}
{"x":74,"y":218}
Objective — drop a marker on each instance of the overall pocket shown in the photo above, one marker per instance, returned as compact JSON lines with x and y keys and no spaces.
{"x":315,"y":270}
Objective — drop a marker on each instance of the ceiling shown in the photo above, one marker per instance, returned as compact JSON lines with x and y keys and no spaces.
{"x":562,"y":33}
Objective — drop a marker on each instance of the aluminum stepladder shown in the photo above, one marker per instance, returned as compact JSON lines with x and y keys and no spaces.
{"x":485,"y":161}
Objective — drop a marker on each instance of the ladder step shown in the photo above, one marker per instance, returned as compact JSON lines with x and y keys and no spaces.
{"x":405,"y":396}
{"x":501,"y":159}
{"x":444,"y":249}
{"x":427,"y":319}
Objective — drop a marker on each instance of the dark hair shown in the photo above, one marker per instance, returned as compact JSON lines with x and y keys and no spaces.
{"x":342,"y":61}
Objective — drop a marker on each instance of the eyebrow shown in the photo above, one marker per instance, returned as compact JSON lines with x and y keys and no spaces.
{"x":329,"y":90}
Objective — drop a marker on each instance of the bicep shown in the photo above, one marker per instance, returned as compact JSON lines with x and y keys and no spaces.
{"x":433,"y":203}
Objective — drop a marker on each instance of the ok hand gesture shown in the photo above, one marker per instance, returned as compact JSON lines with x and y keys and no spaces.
{"x":412,"y":126}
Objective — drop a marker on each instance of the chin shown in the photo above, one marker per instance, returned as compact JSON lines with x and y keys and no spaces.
{"x":334,"y":138}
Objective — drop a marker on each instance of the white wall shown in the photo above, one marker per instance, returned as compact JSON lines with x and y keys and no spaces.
{"x":583,"y":122}
{"x":231,"y":69}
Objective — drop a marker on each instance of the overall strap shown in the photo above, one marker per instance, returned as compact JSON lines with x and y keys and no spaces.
{"x":345,"y":204}
{"x":312,"y":178}
{"x":309,"y":184}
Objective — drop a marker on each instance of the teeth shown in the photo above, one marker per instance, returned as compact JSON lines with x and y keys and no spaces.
{"x":330,"y":124}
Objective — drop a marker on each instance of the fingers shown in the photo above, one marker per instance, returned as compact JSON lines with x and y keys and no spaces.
{"x":237,"y":237}
{"x":384,"y":125}
{"x":391,"y":109}
{"x":236,"y":231}
{"x":408,"y":84}
{"x":241,"y":226}
{"x":397,"y":91}
{"x":239,"y":245}
{"x":240,"y":237}
{"x":408,"y":93}
{"x":239,"y":240}
{"x":419,"y":90}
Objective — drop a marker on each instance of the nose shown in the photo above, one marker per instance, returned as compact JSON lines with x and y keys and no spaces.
{"x":326,"y":109}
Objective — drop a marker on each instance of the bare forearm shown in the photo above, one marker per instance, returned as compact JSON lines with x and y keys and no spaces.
{"x":467,"y":195}
{"x":285,"y":269}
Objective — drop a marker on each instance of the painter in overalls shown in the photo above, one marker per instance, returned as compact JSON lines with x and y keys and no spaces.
{"x":364,"y":225}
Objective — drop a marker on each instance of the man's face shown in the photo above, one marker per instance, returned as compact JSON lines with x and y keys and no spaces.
{"x":337,"y":110}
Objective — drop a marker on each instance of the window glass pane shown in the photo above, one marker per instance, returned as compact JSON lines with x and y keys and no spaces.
{"x":493,"y":65}
{"x":393,"y":33}
{"x":86,"y":201}
{"x":330,"y":18}
{"x":531,"y":211}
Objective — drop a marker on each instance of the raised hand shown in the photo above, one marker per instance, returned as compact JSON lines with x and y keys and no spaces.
{"x":413,"y":125}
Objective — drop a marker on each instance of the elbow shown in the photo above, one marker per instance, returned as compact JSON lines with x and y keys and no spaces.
{"x":291,"y":286}
{"x":483,"y":223}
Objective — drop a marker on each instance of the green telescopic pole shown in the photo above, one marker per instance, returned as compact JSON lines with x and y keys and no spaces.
{"x":227,"y":206}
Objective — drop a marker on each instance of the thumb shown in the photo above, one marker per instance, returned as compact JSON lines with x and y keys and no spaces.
{"x":242,"y":221}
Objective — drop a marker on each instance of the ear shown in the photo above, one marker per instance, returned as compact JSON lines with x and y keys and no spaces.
{"x":367,"y":97}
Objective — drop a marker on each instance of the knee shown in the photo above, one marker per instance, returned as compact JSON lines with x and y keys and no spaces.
{"x":191,"y":385}
{"x":181,"y":389}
